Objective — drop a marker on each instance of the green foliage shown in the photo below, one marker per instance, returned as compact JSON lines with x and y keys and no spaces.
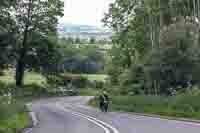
{"x":77,"y":41}
{"x":34,"y":21}
{"x":34,"y":90}
{"x":78,"y":58}
{"x":7,"y":34}
{"x":176,"y":61}
{"x":92,"y":40}
{"x":160,"y":36}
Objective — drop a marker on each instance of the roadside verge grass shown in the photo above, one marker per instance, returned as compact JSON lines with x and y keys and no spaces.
{"x":88,"y":92}
{"x":179,"y":106}
{"x":13,"y":118}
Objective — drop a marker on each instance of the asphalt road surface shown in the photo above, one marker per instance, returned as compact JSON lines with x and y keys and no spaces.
{"x":71,"y":115}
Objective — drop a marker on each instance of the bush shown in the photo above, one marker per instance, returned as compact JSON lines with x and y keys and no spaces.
{"x":1,"y":72}
{"x":55,"y":80}
{"x":34,"y":90}
{"x":6,"y":88}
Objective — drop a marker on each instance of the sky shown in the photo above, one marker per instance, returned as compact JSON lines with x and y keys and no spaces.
{"x":86,"y":12}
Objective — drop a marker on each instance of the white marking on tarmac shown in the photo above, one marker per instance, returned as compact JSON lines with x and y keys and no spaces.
{"x":92,"y":119}
{"x":29,"y":130}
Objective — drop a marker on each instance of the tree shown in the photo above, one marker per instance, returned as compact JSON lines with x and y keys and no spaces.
{"x":92,"y":40}
{"x":70,"y":40}
{"x":34,"y":16}
{"x":44,"y":55}
{"x":177,"y":61}
{"x":83,"y":59}
{"x":7,"y":34}
{"x":77,"y":40}
{"x":139,"y":27}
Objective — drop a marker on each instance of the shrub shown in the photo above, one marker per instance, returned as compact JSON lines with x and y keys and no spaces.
{"x":1,"y":72}
{"x":34,"y":90}
{"x":6,"y":88}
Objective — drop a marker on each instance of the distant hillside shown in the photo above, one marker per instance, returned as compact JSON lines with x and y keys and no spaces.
{"x":84,"y":31}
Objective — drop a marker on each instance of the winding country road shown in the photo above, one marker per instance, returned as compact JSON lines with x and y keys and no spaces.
{"x":70,"y":115}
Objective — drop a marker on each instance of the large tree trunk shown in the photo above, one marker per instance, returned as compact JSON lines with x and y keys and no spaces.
{"x":194,"y":8}
{"x":20,"y":68}
{"x":20,"y":73}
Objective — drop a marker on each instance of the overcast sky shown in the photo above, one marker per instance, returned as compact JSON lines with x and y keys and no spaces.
{"x":87,"y":12}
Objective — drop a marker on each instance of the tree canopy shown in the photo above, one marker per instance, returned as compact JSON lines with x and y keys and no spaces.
{"x":26,"y":29}
{"x":159,"y":36}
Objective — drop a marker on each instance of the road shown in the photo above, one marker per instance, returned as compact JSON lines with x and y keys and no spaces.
{"x":70,"y":115}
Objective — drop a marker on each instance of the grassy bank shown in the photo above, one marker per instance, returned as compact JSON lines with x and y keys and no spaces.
{"x":13,"y":117}
{"x":88,"y":92}
{"x":16,"y":123}
{"x":179,"y":106}
{"x":30,"y":78}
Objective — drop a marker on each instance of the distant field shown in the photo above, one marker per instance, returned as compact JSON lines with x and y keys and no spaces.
{"x":97,"y":77}
{"x":30,"y":78}
{"x":91,"y":77}
{"x":101,"y":46}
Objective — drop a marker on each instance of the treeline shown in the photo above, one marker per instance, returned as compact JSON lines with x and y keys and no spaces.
{"x":91,"y":40}
{"x":156,"y":45}
{"x":77,"y":58}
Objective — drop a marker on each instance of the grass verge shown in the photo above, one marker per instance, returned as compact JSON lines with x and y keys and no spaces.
{"x":88,"y":92}
{"x":179,"y":106}
{"x":14,"y":118}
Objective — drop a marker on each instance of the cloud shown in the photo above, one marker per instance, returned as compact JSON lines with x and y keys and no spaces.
{"x":88,"y":12}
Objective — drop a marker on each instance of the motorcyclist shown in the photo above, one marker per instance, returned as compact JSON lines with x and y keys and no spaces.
{"x":104,"y":101}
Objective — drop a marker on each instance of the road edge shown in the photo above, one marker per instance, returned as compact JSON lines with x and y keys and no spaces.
{"x":33,"y":117}
{"x":162,"y":117}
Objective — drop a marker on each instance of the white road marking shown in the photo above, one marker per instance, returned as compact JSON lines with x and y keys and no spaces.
{"x":96,"y":123}
{"x":29,"y":131}
{"x":99,"y":123}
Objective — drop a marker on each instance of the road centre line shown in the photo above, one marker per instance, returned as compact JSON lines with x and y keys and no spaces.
{"x":97,"y":122}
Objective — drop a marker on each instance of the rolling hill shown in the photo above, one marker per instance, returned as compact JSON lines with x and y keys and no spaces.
{"x":84,"y":31}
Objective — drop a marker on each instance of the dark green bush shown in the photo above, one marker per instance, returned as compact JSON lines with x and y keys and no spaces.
{"x":6,"y":88}
{"x":1,"y":72}
{"x":34,"y":90}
